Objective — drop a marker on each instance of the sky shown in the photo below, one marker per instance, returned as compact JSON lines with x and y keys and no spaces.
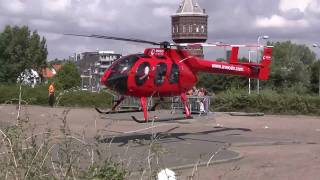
{"x":230,"y":21}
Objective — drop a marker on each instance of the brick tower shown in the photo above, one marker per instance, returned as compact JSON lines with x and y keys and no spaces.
{"x":190,"y":25}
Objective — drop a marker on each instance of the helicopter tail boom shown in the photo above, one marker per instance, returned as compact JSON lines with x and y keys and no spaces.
{"x":249,"y":69}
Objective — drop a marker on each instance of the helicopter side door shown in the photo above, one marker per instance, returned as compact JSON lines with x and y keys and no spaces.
{"x":166,"y":79}
{"x":160,"y":74}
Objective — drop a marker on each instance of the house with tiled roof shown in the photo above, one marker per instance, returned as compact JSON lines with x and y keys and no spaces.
{"x":50,"y":72}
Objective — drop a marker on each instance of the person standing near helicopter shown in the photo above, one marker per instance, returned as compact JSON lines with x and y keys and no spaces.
{"x":51,"y":94}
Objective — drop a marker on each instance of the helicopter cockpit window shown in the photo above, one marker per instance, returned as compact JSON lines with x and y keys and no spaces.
{"x":123,"y":65}
{"x":142,"y":73}
{"x":161,"y":71}
{"x":174,"y":75}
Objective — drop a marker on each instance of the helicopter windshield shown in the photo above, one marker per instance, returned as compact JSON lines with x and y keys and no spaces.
{"x":123,"y":65}
{"x":118,"y":78}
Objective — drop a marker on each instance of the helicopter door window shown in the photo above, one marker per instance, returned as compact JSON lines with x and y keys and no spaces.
{"x":174,"y":75}
{"x":161,"y":71}
{"x":142,"y":73}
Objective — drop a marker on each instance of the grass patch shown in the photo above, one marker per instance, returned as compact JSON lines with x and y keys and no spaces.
{"x":39,"y":96}
{"x":85,"y":99}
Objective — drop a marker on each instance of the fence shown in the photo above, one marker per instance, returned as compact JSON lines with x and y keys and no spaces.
{"x":130,"y":102}
{"x":197,"y":104}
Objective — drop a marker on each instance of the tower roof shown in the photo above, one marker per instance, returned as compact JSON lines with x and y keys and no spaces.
{"x":190,"y":7}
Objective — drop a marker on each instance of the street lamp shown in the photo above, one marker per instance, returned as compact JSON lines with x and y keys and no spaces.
{"x":316,"y":45}
{"x":249,"y":83}
{"x":258,"y":41}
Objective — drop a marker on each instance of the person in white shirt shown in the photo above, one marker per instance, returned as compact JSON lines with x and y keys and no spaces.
{"x":146,"y":72}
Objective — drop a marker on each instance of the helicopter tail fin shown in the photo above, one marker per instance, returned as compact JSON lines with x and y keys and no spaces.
{"x":265,"y":64}
{"x":234,"y":55}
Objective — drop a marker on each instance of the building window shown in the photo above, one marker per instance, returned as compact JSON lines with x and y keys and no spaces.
{"x":202,"y":29}
{"x":197,"y":29}
{"x":190,"y":28}
{"x":173,"y":29}
{"x":184,"y":28}
{"x":177,"y":28}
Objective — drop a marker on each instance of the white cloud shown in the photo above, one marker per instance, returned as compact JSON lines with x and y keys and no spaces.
{"x":286,"y":5}
{"x":314,"y":6}
{"x":277,"y":21}
{"x":41,"y":22}
{"x":229,"y":21}
{"x":172,"y":2}
{"x":162,"y":11}
{"x":13,"y":6}
{"x":56,"y":6}
{"x":51,"y":36}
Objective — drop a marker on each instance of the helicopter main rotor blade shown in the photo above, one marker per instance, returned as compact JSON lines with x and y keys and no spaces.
{"x":115,"y":38}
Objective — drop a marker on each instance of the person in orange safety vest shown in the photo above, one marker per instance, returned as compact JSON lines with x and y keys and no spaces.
{"x":51,"y":94}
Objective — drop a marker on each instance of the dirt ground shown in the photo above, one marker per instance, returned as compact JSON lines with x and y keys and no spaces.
{"x":296,"y":159}
{"x":270,"y":147}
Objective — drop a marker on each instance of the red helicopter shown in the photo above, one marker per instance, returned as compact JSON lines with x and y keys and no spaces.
{"x":167,"y":72}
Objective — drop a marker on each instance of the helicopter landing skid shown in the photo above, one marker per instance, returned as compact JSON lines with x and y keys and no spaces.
{"x":118,"y":112}
{"x":115,"y":112}
{"x":161,"y":120}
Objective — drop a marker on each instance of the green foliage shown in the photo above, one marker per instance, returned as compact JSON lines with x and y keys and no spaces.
{"x":19,"y":50}
{"x":107,"y":171}
{"x":219,"y":82}
{"x":315,"y":77}
{"x":68,"y":76}
{"x":39,"y":96}
{"x":35,"y":96}
{"x":290,"y":65}
{"x":85,"y":99}
{"x":267,"y":101}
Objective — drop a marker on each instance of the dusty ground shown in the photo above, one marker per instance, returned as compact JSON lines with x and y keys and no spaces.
{"x":270,"y":147}
{"x":298,"y":158}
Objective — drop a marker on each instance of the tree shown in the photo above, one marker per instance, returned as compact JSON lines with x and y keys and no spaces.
{"x":290,"y":66}
{"x":20,"y":50}
{"x":68,"y":76}
{"x":315,"y":75}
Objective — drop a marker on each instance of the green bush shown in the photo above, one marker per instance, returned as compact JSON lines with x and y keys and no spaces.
{"x":35,"y":96}
{"x":8,"y":92}
{"x":267,"y":101}
{"x":39,"y":96}
{"x":85,"y":99}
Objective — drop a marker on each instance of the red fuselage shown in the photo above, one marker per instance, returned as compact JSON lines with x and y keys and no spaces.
{"x":168,"y":72}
